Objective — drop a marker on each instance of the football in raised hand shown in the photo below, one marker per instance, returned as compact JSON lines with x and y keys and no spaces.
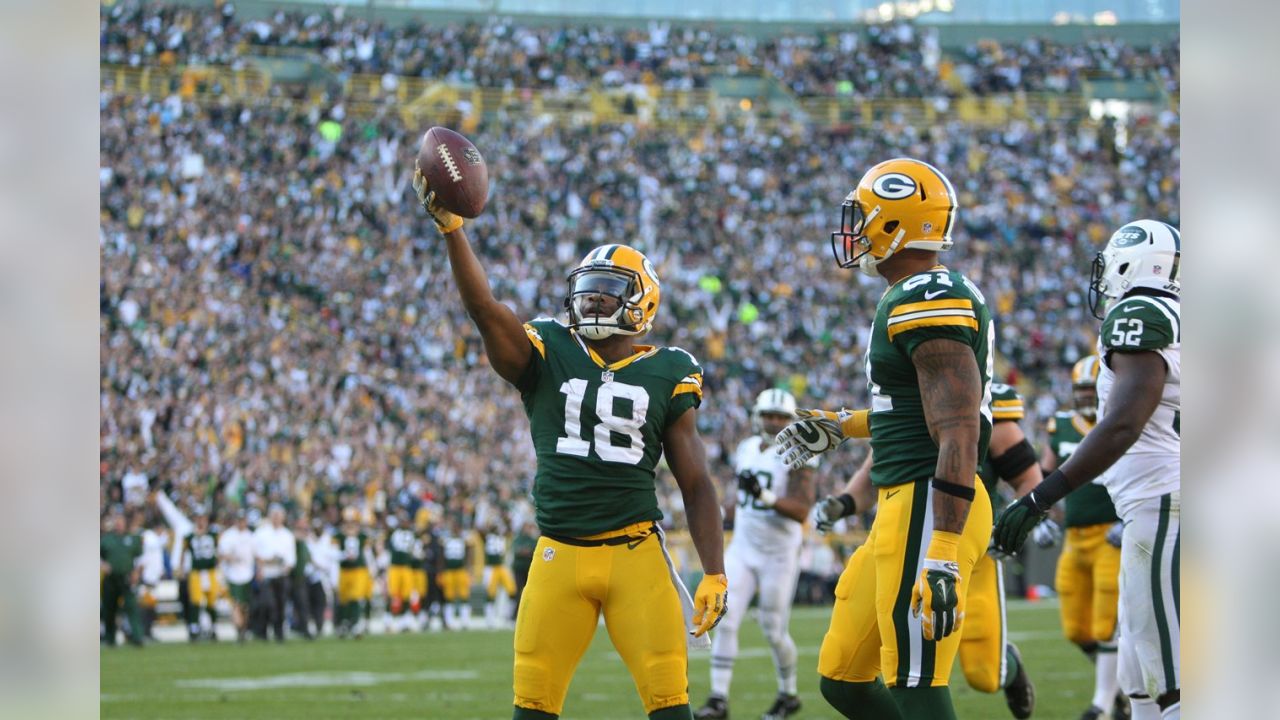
{"x":455,"y":170}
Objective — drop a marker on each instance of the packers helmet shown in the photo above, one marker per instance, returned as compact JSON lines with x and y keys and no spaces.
{"x":773,"y":401}
{"x":620,"y":272}
{"x":1084,"y":386}
{"x":1143,"y":253}
{"x":900,"y":204}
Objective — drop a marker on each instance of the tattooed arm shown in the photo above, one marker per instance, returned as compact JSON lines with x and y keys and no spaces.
{"x":951,"y":391}
{"x":799,"y":498}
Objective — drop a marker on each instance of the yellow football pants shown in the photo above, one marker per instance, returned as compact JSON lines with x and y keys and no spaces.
{"x":400,"y":582}
{"x":569,"y":586}
{"x":354,"y":584}
{"x":420,"y":582}
{"x":1088,"y":584}
{"x":496,"y":576}
{"x":202,"y":587}
{"x":872,"y":629}
{"x":455,"y":584}
{"x":983,"y":633}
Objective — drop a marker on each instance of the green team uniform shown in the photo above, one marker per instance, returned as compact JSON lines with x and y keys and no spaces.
{"x":1090,"y":504}
{"x":597,"y":430}
{"x":495,"y":549}
{"x":522,"y":549}
{"x":351,"y":548}
{"x":203,"y":549}
{"x":455,"y":552}
{"x":401,"y":543}
{"x":939,"y":303}
{"x":119,"y":552}
{"x":1006,"y":406}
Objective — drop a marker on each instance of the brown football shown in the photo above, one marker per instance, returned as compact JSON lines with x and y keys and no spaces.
{"x":455,"y":170}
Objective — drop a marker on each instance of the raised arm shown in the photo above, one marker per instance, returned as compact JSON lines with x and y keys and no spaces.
{"x":503,"y":334}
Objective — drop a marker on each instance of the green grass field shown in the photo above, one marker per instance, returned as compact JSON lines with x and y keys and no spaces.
{"x":452,"y":676}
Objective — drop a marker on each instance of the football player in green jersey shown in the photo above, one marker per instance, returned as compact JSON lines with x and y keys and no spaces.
{"x":200,"y":555}
{"x":1135,"y":451}
{"x":1088,"y":573}
{"x":400,"y":571}
{"x":602,"y":410}
{"x":901,"y":599}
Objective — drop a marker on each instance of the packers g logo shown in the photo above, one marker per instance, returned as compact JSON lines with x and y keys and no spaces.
{"x":1129,"y":235}
{"x":894,"y":186}
{"x":648,"y":270}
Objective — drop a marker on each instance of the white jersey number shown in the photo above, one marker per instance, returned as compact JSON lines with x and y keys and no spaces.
{"x":573,"y":444}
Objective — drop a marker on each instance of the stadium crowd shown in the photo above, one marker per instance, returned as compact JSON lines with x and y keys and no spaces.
{"x":898,"y":59}
{"x":279,"y":324}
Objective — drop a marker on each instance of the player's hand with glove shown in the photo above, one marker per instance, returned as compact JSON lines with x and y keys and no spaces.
{"x":812,"y":433}
{"x":1047,"y":534}
{"x":710,"y":601}
{"x":446,"y":222}
{"x":830,"y":509}
{"x":1016,"y":521}
{"x":1115,"y":534}
{"x":935,"y":599}
{"x":749,"y":483}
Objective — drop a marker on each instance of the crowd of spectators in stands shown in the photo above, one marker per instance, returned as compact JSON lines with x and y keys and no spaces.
{"x":279,"y":323}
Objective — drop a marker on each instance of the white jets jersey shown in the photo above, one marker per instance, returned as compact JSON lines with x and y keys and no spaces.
{"x":764,"y":529}
{"x":1152,"y":466}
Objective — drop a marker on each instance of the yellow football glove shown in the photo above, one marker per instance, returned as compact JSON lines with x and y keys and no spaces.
{"x":935,"y":599}
{"x":446,"y":222}
{"x":709,"y":603}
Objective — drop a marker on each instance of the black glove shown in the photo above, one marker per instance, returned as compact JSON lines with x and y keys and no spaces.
{"x":749,"y":483}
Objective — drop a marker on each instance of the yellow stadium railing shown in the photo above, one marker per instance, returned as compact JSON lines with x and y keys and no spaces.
{"x":418,"y":101}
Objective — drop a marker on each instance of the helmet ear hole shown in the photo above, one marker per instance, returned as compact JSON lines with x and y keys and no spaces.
{"x":891,"y":226}
{"x":1124,"y":267}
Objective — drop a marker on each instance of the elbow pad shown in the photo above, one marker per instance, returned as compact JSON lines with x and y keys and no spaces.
{"x":1015,"y":460}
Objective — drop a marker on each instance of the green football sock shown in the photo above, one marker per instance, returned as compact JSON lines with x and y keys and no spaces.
{"x":1011,"y":659}
{"x":528,"y":714}
{"x":675,"y":712}
{"x":929,"y":703}
{"x":869,"y":700}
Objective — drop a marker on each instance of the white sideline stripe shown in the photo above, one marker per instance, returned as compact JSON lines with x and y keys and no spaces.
{"x":322,"y":679}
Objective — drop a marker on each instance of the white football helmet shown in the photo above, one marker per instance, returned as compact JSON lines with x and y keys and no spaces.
{"x":1143,"y":253}
{"x":772,"y":400}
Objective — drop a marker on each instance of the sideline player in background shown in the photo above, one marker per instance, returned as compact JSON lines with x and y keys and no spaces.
{"x":602,"y":410}
{"x":497,"y":576}
{"x":355,"y":583}
{"x":902,"y":597}
{"x":771,"y":505}
{"x":200,"y":556}
{"x":1088,"y":575}
{"x":455,"y":581}
{"x":1135,"y":448}
{"x":400,"y":571}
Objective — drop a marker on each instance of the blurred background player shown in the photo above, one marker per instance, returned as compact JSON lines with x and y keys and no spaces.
{"x":1136,"y":450}
{"x":322,"y":574}
{"x":497,"y":577}
{"x":200,"y":557}
{"x":275,"y":554}
{"x":433,"y":566}
{"x":455,"y":580}
{"x":235,"y":551}
{"x":118,"y":550}
{"x":299,"y":593}
{"x":400,"y":543}
{"x":768,"y":512}
{"x":1088,"y":573}
{"x":355,"y":583}
{"x":523,"y":547}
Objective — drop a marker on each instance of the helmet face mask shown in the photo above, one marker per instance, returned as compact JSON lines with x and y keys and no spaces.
{"x":900,"y":204}
{"x":614,"y":273}
{"x":1141,"y":254}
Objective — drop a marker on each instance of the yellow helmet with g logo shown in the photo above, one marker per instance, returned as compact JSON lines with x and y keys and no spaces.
{"x":900,"y":204}
{"x":1084,"y":386}
{"x":620,"y":272}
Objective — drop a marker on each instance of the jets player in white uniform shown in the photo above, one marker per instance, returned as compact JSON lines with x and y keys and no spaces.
{"x":763,"y":556}
{"x":1135,"y":449}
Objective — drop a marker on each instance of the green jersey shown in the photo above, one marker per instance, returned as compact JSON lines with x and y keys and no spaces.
{"x":400,"y":544}
{"x":351,"y":550}
{"x":455,"y":552}
{"x":939,"y":303}
{"x":203,"y":549}
{"x":597,"y":428}
{"x":1006,"y":406}
{"x":1090,"y":504}
{"x":119,"y":551}
{"x":495,"y":549}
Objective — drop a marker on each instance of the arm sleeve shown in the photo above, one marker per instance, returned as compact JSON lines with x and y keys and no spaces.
{"x":930,"y":311}
{"x":1140,"y":323}
{"x":537,"y":360}
{"x":687,"y":392}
